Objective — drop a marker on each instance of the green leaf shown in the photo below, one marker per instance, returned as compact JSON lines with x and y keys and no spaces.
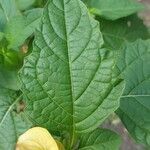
{"x":127,"y":29}
{"x":134,"y":109}
{"x":9,"y":79}
{"x":68,"y":78}
{"x":12,"y":124}
{"x":9,"y":62}
{"x":12,"y":60}
{"x":25,"y":4}
{"x":100,"y":139}
{"x":8,"y":10}
{"x":33,"y":14}
{"x":21,"y":27}
{"x":40,"y":3}
{"x":2,"y":20}
{"x":1,"y":36}
{"x":114,"y":9}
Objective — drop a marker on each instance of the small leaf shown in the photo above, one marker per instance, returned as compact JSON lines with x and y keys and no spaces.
{"x":134,"y":110}
{"x":21,"y":27}
{"x":100,"y":139}
{"x":36,"y":139}
{"x":12,"y":60}
{"x":114,"y":9}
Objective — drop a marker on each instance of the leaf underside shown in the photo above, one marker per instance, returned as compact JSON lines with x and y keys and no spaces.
{"x":68,"y":79}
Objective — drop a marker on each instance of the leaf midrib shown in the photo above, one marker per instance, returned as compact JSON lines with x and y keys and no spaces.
{"x":70,"y":72}
{"x":128,"y":96}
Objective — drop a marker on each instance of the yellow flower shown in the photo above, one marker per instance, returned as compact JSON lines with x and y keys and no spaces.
{"x":36,"y":139}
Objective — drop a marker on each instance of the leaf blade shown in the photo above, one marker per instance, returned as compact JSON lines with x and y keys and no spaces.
{"x":101,"y":139}
{"x":136,"y":95}
{"x":22,"y":27}
{"x":65,"y":67}
{"x":11,"y":123}
{"x":118,"y":32}
{"x":114,"y":9}
{"x":8,"y":10}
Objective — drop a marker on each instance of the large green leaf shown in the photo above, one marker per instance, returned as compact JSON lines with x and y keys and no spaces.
{"x":12,"y":124}
{"x":100,"y":139}
{"x":114,"y":9}
{"x":115,"y":33}
{"x":68,"y":79}
{"x":8,"y":10}
{"x":134,"y":111}
{"x":20,"y":27}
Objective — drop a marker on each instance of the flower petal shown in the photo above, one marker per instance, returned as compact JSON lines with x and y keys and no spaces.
{"x":36,"y":139}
